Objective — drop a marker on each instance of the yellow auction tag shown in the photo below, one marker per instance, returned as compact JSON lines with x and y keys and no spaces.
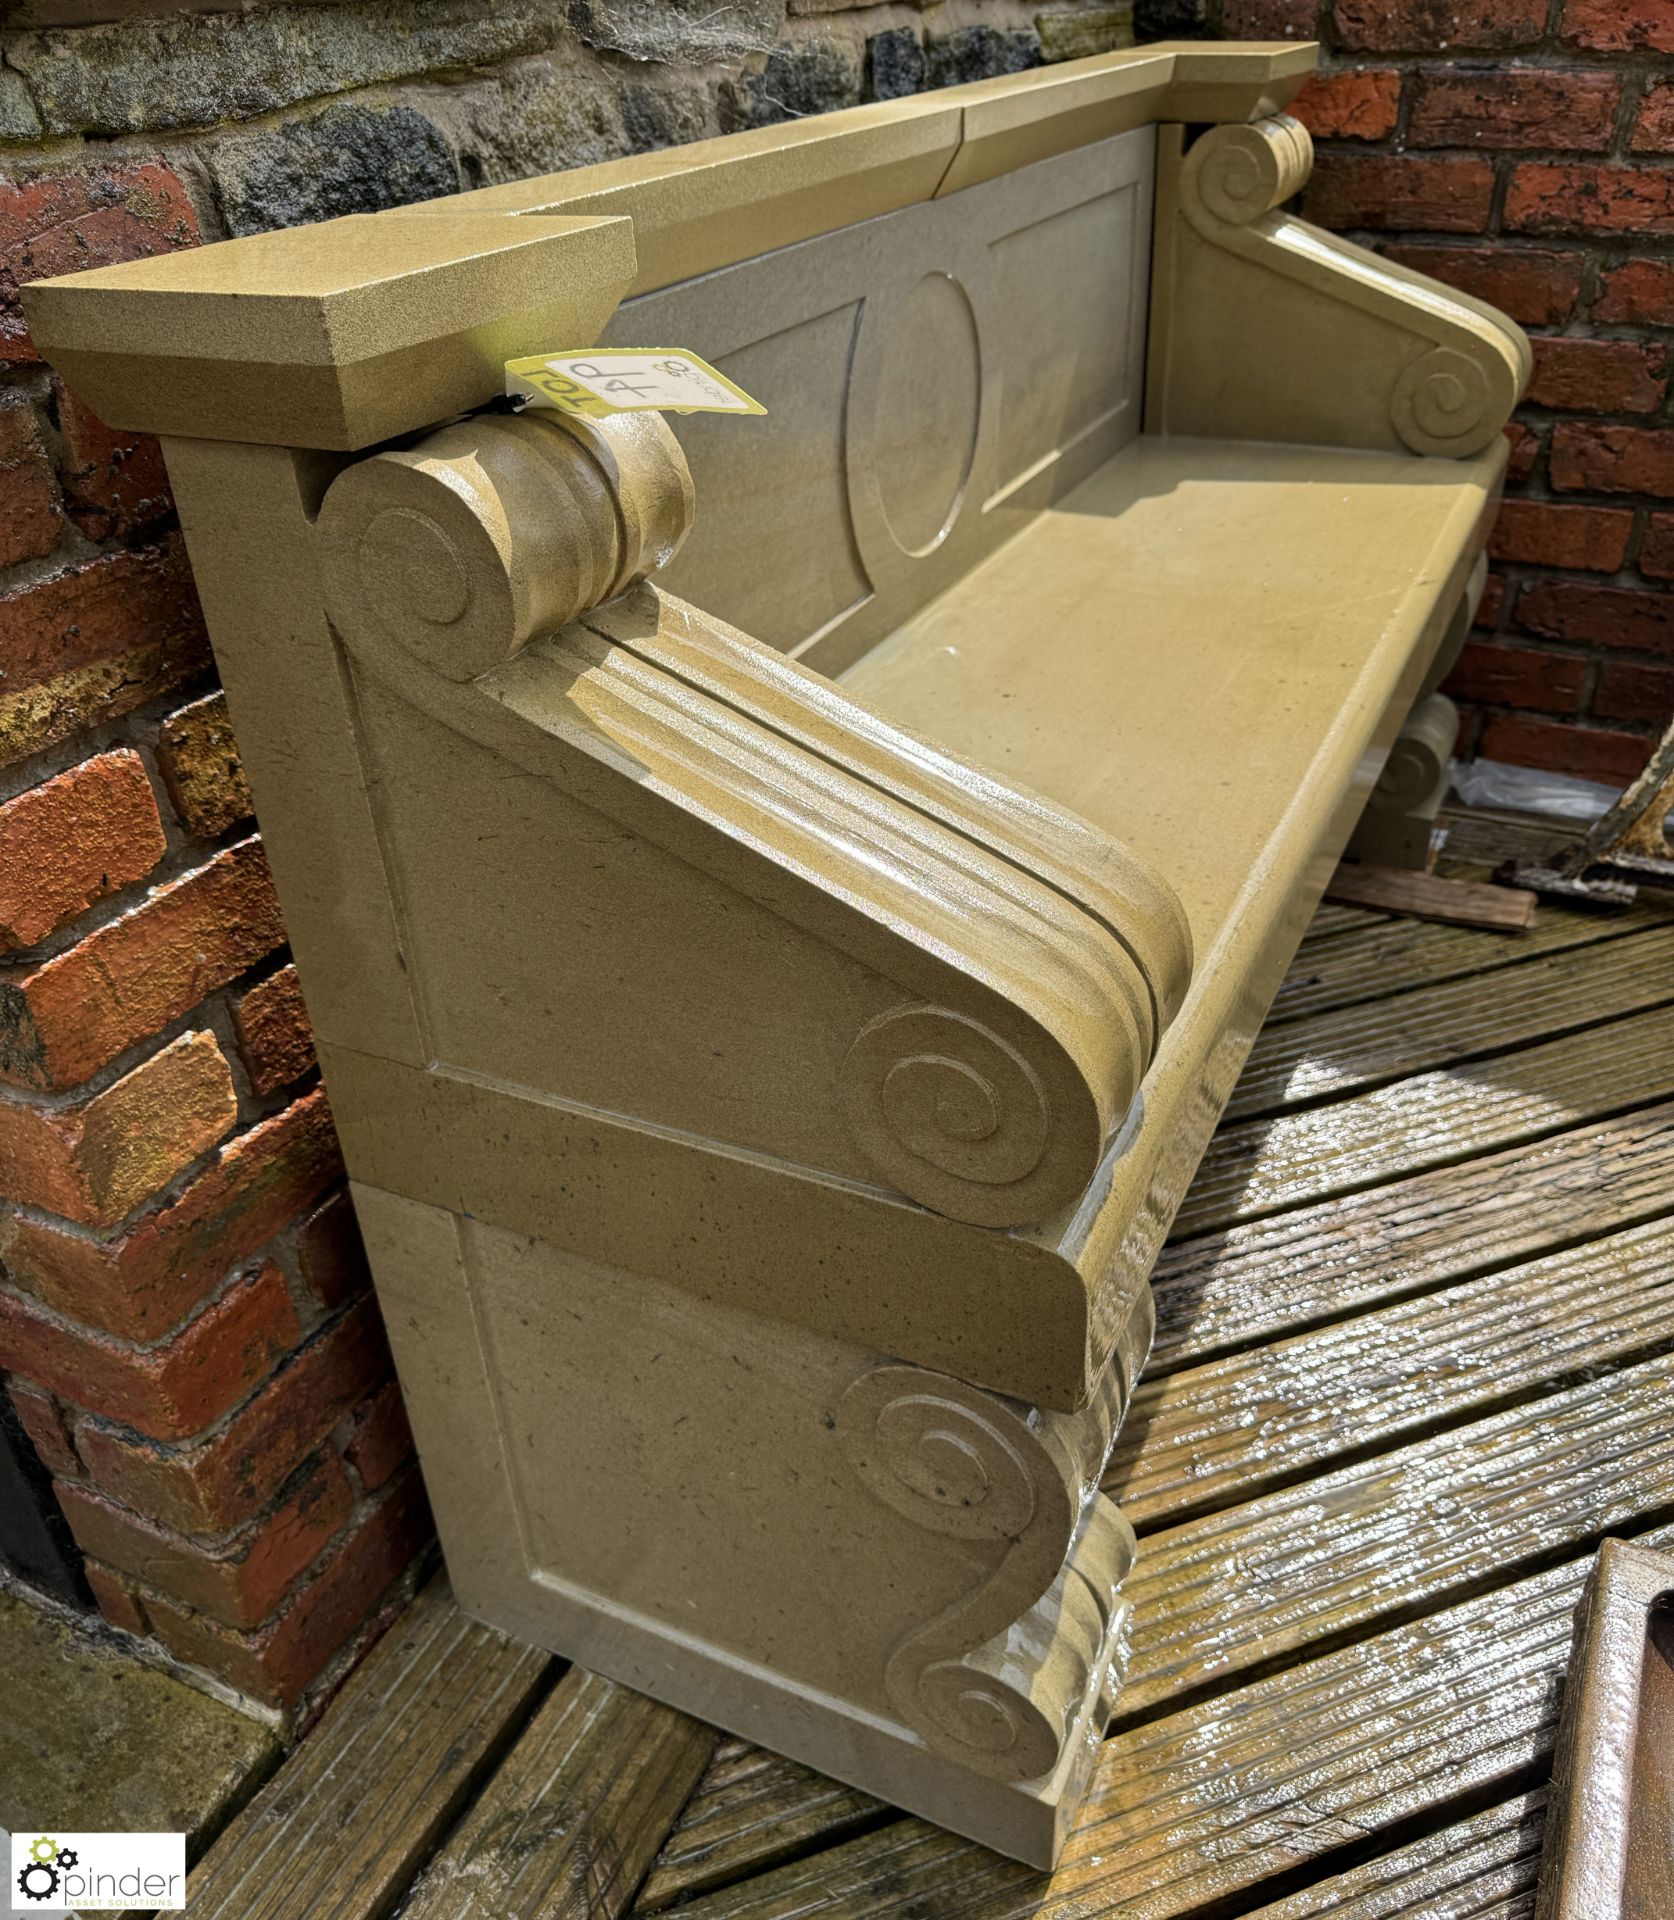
{"x":607,"y":380}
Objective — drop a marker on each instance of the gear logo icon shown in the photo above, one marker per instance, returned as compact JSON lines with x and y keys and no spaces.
{"x":44,"y":1851}
{"x":67,"y":1857}
{"x":38,"y":1880}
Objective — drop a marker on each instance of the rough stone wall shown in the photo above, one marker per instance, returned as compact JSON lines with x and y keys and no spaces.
{"x":184,"y":1315}
{"x":1520,"y":150}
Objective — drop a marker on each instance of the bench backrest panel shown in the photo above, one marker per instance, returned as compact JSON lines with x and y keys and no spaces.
{"x":932,"y":376}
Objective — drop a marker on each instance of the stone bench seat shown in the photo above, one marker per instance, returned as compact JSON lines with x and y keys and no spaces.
{"x":783,"y":901}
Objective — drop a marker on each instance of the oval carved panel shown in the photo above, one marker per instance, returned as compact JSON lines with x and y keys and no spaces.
{"x":926,"y":412}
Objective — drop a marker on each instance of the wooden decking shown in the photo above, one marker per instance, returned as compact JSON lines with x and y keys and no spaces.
{"x":1415,"y":1358}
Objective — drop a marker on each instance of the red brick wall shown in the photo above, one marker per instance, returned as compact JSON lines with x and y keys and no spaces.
{"x":184,"y":1318}
{"x":1523,"y":150}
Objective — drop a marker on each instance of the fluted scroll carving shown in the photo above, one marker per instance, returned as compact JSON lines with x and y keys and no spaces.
{"x":997,"y":1680}
{"x":1418,"y":757}
{"x":1026,"y":964}
{"x":1237,"y":173}
{"x":1240,"y":292}
{"x":485,"y":533}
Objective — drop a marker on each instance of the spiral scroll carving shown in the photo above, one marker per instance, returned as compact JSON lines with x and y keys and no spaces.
{"x":485,"y":533}
{"x":998,"y":1679}
{"x":1448,"y":403}
{"x":952,"y":1115}
{"x":1238,"y":173}
{"x":1418,"y":757}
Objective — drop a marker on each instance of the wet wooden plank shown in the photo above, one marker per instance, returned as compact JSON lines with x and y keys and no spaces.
{"x":1486,"y":1866}
{"x":574,"y":1814}
{"x":1197,"y":1810}
{"x":1263,"y":1166}
{"x":1219,"y":1601}
{"x":1332,"y":1054}
{"x":751,"y":1810}
{"x":1418,"y":1528}
{"x":340,"y":1830}
{"x":1293,"y":1270}
{"x":1330,"y":920}
{"x":1208,"y":1436}
{"x":1394,"y":956}
{"x":1433,"y":896}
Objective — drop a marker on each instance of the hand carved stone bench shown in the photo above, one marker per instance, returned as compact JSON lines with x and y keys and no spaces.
{"x":782,"y":902}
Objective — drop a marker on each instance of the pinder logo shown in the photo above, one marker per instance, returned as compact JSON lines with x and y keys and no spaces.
{"x":113,"y":1872}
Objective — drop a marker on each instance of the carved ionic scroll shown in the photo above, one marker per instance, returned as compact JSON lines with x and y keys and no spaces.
{"x":1264,"y":327}
{"x":490,"y":531}
{"x":980,"y":981}
{"x":999,"y":1678}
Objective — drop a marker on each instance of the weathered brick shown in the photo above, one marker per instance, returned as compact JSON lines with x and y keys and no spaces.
{"x":1492,"y":603}
{"x":1606,"y":459}
{"x":1393,"y":190}
{"x":1511,"y":676}
{"x":167,"y":1391}
{"x":114,"y":481}
{"x":1524,"y":456}
{"x":65,"y":222}
{"x":1653,"y":126}
{"x":64,"y":1019}
{"x":1353,"y":103}
{"x":117,"y":1599}
{"x":1631,"y":690}
{"x":44,"y":1423}
{"x":225,"y":1479}
{"x":276,"y":1662}
{"x":1543,"y":533}
{"x":1598,"y":376}
{"x":332,"y":1253}
{"x":31,"y":520}
{"x":1637,"y":293}
{"x":1423,"y":26}
{"x":1656,"y":556}
{"x":142,"y":1281}
{"x":1515,"y":107}
{"x":77,"y":837}
{"x":95,"y":611}
{"x":81,"y":697}
{"x":382,"y":1441}
{"x":96,"y":1162}
{"x":274,"y":1037}
{"x":1581,"y":197}
{"x":1620,"y":26}
{"x":201,"y":768}
{"x":239,"y":1580}
{"x":1562,"y":746}
{"x":1591,"y":615}
{"x":1270,"y":19}
{"x":1534,"y":285}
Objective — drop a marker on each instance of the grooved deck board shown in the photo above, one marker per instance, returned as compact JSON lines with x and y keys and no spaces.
{"x":341,"y":1828}
{"x":1486,"y":1866}
{"x":1332,"y":1054}
{"x":574,"y":1814}
{"x":1395,"y":956}
{"x":1414,"y":1529}
{"x":1211,"y":1435}
{"x":751,"y":1810}
{"x":1256,"y":1167}
{"x":1330,"y":920}
{"x":1291,"y":1270}
{"x":1197,"y":1810}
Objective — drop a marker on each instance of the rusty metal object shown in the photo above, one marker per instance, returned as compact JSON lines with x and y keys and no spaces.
{"x":1628,"y":847}
{"x":1609,"y":1852}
